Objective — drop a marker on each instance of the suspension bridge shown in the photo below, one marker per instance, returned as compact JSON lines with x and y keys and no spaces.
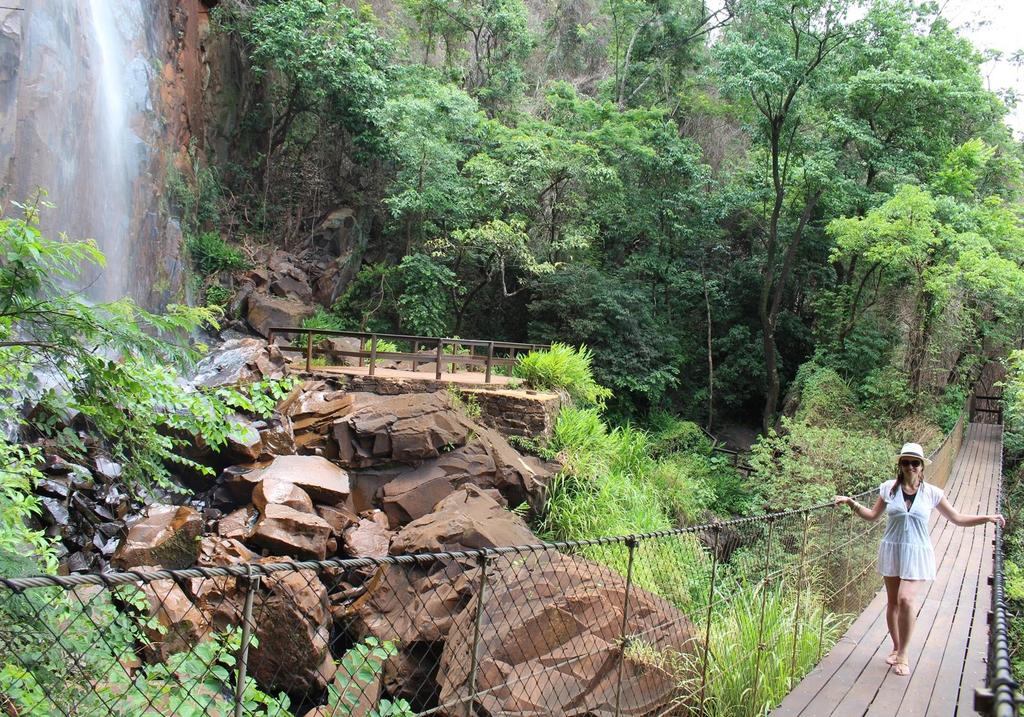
{"x":949,"y":648}
{"x":640,"y":625}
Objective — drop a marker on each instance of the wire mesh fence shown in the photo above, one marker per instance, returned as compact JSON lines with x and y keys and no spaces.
{"x":717,"y":619}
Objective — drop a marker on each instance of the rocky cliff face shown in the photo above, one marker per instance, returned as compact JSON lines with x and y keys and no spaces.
{"x":97,"y":99}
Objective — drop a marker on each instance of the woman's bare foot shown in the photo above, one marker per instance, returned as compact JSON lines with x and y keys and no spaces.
{"x":901,"y":667}
{"x":893,"y":658}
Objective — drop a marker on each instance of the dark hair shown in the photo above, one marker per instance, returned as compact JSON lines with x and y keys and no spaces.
{"x":899,"y":477}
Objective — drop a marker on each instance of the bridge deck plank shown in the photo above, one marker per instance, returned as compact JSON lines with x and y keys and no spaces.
{"x":948,"y":648}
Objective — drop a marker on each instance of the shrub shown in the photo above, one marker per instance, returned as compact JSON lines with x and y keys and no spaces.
{"x":563,"y":368}
{"x":805,"y":465}
{"x":217,"y":295}
{"x":211,"y":254}
{"x":824,"y":398}
{"x":672,"y":434}
{"x":740,"y":649}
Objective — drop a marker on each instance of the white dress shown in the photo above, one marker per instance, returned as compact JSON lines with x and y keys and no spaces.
{"x":906,"y":548}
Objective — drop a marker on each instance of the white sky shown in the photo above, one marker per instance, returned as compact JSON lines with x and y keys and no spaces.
{"x":994,"y":25}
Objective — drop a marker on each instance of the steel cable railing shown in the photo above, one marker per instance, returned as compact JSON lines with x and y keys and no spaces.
{"x":1000,"y":696}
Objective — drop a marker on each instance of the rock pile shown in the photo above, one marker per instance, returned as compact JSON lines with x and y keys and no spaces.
{"x":337,"y":474}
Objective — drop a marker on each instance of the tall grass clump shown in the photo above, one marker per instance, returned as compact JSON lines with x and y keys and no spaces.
{"x":563,"y":368}
{"x":740,"y":653}
{"x":605,"y":489}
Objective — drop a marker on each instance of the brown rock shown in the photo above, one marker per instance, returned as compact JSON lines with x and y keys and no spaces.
{"x":266,"y":311}
{"x":322,"y":480}
{"x":287,"y":531}
{"x":468,"y":518}
{"x":182,"y":624}
{"x":219,"y":552}
{"x":244,"y":442}
{"x":292,"y":626}
{"x":290,"y":287}
{"x":338,"y":518}
{"x":399,"y":428}
{"x":565,"y":608}
{"x":368,"y":538}
{"x":315,"y":408}
{"x":271,"y":491}
{"x":278,"y":438}
{"x":165,"y":536}
{"x":239,"y":361}
{"x":240,"y":480}
{"x":238,"y":524}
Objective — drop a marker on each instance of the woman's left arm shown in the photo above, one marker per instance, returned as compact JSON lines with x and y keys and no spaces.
{"x":967,"y":521}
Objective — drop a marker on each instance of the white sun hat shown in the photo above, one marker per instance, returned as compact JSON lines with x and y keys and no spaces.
{"x":913,"y":450}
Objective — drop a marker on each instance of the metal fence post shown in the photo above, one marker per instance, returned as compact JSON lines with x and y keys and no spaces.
{"x":764,"y":598}
{"x":799,"y":595}
{"x":309,"y":352}
{"x":631,"y":545}
{"x":252,"y":583}
{"x":707,"y":625}
{"x":828,"y":551}
{"x":481,"y":598}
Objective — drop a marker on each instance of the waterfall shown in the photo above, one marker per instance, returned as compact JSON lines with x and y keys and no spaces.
{"x":81,"y":118}
{"x":112,"y":169}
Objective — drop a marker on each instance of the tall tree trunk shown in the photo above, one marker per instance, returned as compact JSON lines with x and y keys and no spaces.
{"x":711,"y":358}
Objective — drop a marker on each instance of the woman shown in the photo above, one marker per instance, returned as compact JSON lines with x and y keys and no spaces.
{"x":905,"y":556}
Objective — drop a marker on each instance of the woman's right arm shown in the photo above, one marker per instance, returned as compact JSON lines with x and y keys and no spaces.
{"x":869,"y":514}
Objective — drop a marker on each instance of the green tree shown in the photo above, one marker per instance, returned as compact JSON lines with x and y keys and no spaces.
{"x":779,"y":58}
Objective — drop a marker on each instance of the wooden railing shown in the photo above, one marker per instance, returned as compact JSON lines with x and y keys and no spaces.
{"x":987,"y":405}
{"x":422,"y":350}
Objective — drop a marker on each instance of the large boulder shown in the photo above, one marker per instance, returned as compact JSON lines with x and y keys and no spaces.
{"x":369,"y":537}
{"x":179,"y":624}
{"x":165,"y":536}
{"x":292,"y":617}
{"x":286,"y":531}
{"x":266,"y":311}
{"x":466,"y":519}
{"x":416,"y":605}
{"x":488,"y":461}
{"x":561,"y":616}
{"x":325,"y":482}
{"x":239,"y":361}
{"x":271,"y":491}
{"x":408,"y":427}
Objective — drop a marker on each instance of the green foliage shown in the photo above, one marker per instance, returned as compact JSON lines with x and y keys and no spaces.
{"x":315,"y":56}
{"x":217,"y":295}
{"x":806,"y":465}
{"x":128,"y":393}
{"x":358,"y":670}
{"x":423,"y":306}
{"x":211,"y":254}
{"x":466,"y":402}
{"x":84,"y":671}
{"x":1013,"y":407}
{"x":823,"y":398}
{"x":741,"y":648}
{"x":563,"y":368}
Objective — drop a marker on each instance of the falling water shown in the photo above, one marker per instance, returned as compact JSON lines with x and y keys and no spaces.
{"x":78,"y":119}
{"x":111,"y":169}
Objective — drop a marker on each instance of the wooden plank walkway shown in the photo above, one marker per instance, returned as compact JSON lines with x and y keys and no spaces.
{"x":947,"y":651}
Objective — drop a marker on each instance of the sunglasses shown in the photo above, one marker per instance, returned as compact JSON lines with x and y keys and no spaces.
{"x":910,"y":462}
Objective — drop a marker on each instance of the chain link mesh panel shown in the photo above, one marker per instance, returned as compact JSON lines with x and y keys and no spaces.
{"x":717,"y":619}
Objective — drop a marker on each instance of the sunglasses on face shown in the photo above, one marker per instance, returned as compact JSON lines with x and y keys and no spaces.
{"x":910,"y":463}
